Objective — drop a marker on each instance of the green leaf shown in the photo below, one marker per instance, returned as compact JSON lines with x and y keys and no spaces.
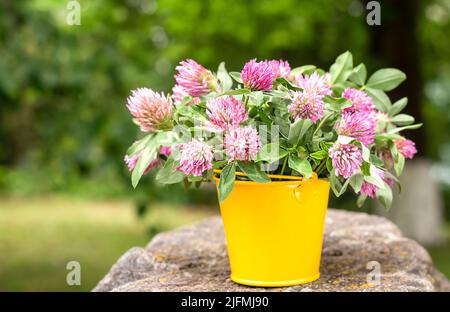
{"x":384,"y":195}
{"x":167,"y":138}
{"x":297,"y":130}
{"x":389,"y":175}
{"x":224,"y":79}
{"x":335,"y":184}
{"x":398,"y":106}
{"x":253,"y":172}
{"x":302,"y":69}
{"x":356,"y":182}
{"x":387,"y":137}
{"x":226,"y":182}
{"x":399,"y":164}
{"x":365,"y":168}
{"x":342,"y":139}
{"x":198,"y":112}
{"x":410,"y":127}
{"x":336,"y":104}
{"x":380,"y":99}
{"x":193,"y":112}
{"x":359,"y":74}
{"x":300,"y":165}
{"x":325,"y":145}
{"x":386,"y":79}
{"x":236,"y":76}
{"x":271,"y":152}
{"x":148,"y":155}
{"x":394,"y":150}
{"x":138,"y":146}
{"x":219,"y":163}
{"x":283,"y":124}
{"x":236,"y":92}
{"x":258,"y":97}
{"x":342,"y":67}
{"x":402,"y":120}
{"x":374,"y":178}
{"x":319,"y":155}
{"x":264,"y":117}
{"x":376,"y":161}
{"x":168,"y":173}
{"x":344,"y":187}
{"x":192,"y":178}
{"x":185,"y":101}
{"x":287,"y":84}
{"x":361,"y":199}
{"x":365,"y":153}
{"x":329,"y":165}
{"x":339,"y":188}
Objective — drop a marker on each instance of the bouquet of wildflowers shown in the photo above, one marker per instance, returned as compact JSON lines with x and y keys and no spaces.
{"x":271,"y":119}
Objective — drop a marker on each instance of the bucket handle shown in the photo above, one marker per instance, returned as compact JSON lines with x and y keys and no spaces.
{"x":272,"y":176}
{"x":297,"y":190}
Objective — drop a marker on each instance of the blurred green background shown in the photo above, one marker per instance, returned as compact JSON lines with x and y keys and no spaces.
{"x":64,"y":128}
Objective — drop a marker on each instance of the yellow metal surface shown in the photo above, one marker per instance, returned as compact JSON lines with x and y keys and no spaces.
{"x":274,"y":231}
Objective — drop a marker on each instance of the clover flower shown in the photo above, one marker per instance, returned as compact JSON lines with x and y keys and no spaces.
{"x":196,"y":157}
{"x":361,"y":102}
{"x":280,"y":68}
{"x":152,"y":111}
{"x":360,"y":126}
{"x":258,"y":75}
{"x":242,"y":143}
{"x":406,"y":147}
{"x":225,"y":112}
{"x":304,"y":107}
{"x":178,"y":95}
{"x":370,"y":189}
{"x":165,"y":150}
{"x":308,"y":104}
{"x":386,"y":156}
{"x":194,"y":79}
{"x":131,"y":161}
{"x":346,"y":159}
{"x":382,"y":120}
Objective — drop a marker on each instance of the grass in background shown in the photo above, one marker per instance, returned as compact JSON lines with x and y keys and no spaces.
{"x":39,"y":236}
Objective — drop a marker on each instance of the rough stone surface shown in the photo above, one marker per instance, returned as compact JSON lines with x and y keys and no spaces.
{"x":194,"y":258}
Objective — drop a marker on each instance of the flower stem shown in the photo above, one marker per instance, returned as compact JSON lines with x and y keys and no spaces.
{"x":321,"y":167}
{"x":284,"y":165}
{"x":322,"y":123}
{"x":246,"y":101}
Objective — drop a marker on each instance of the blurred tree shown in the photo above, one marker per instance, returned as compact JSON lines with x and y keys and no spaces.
{"x":63,"y":122}
{"x":396,"y":44}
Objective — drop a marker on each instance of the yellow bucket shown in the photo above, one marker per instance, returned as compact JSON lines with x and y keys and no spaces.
{"x":274,"y":231}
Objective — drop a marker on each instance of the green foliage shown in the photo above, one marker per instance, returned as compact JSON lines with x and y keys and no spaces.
{"x":63,"y":122}
{"x":386,"y":79}
{"x":226,"y":182}
{"x":253,"y":172}
{"x":303,"y":144}
{"x":301,"y":165}
{"x":342,"y":68}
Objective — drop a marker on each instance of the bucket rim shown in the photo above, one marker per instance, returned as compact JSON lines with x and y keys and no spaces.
{"x":287,"y":179}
